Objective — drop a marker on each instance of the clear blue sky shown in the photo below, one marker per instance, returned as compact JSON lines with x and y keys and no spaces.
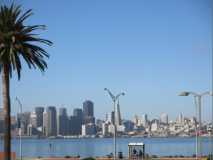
{"x":150,"y":49}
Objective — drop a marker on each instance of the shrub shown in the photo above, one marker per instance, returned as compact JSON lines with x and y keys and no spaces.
{"x":88,"y":158}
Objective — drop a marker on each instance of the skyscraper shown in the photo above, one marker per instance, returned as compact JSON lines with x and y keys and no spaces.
{"x":144,"y":120}
{"x":33,"y":119}
{"x":62,"y":122}
{"x":74,"y":126}
{"x":88,"y":112}
{"x":39,"y":115}
{"x":50,"y":121}
{"x":164,"y":118}
{"x":88,"y":108}
{"x":78,"y":113}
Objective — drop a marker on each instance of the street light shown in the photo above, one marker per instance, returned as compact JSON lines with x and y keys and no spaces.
{"x":114,"y":99}
{"x":197,"y":98}
{"x":20,"y":111}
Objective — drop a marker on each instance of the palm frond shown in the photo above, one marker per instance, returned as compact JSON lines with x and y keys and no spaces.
{"x":19,"y":41}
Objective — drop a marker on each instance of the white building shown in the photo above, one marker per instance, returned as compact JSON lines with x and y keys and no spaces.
{"x":121,"y":128}
{"x":105,"y":130}
{"x":144,"y":120}
{"x":154,"y":127}
{"x":88,"y":129}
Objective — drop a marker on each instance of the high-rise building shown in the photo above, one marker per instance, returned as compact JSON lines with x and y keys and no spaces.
{"x":144,"y":120}
{"x":88,"y":129}
{"x":74,"y":125}
{"x":88,"y":112}
{"x":129,"y":125}
{"x":88,"y":108}
{"x":180,"y":119}
{"x":39,"y":114}
{"x":33,"y":119}
{"x":164,"y":118}
{"x":105,"y":130}
{"x":51,"y":121}
{"x":24,"y":119}
{"x":62,"y":122}
{"x":77,"y":112}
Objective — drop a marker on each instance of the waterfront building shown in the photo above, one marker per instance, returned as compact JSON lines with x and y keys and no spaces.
{"x":74,"y":126}
{"x":88,"y":129}
{"x":164,"y":118}
{"x":154,"y":127}
{"x":129,"y":125}
{"x":39,"y":114}
{"x":137,"y":121}
{"x":50,"y":119}
{"x":33,"y":119}
{"x":24,"y":119}
{"x":62,"y":122}
{"x":88,"y":108}
{"x":105,"y":130}
{"x":144,"y":120}
{"x":108,"y":118}
{"x":111,"y":128}
{"x":99,"y":123}
{"x":121,"y":128}
{"x":31,"y":131}
{"x":78,"y":112}
{"x":88,"y":112}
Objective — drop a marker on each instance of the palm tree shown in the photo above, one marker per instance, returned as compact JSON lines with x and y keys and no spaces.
{"x":17,"y":42}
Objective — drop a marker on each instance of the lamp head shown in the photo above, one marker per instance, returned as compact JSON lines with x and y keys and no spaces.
{"x":184,"y":93}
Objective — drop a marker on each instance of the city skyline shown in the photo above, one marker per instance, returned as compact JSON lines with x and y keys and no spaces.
{"x":117,"y":45}
{"x":55,"y":122}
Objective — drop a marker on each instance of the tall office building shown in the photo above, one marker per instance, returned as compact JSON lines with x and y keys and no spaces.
{"x":164,"y":118}
{"x":88,"y":112}
{"x":24,"y":119}
{"x":50,"y":121}
{"x":33,"y":119}
{"x":74,"y":126}
{"x":62,"y":122}
{"x":144,"y":120}
{"x":88,"y":107}
{"x":180,"y":118}
{"x":39,"y":114}
{"x":88,"y":129}
{"x":77,"y":112}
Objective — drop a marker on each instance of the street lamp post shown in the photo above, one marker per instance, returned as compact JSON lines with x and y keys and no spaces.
{"x":198,"y":98}
{"x":20,"y":140}
{"x":114,"y":99}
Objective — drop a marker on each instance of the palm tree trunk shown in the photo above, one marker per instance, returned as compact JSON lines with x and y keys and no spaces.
{"x":6,"y":106}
